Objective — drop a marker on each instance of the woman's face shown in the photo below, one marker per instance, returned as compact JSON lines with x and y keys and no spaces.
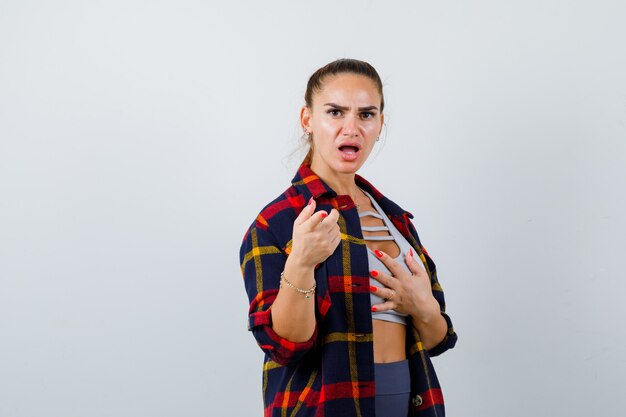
{"x":344,"y":122}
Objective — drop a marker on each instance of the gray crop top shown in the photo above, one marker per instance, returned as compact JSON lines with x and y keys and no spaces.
{"x":375,"y":263}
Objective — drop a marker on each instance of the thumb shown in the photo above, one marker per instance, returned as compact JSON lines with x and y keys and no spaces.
{"x":306,"y":212}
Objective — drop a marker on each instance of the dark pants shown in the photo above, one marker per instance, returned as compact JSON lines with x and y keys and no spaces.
{"x":393,"y":389}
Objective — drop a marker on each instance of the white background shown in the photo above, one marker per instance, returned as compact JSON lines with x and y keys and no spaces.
{"x":138,"y":140}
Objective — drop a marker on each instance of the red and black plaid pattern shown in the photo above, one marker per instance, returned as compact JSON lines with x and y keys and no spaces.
{"x":332,"y":374}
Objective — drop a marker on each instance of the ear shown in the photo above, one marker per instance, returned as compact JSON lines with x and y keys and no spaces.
{"x":382,"y":123}
{"x":305,"y":118}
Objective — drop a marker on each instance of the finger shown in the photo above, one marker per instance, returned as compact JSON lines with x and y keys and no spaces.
{"x":415,"y":267}
{"x":336,"y":240}
{"x":306,"y":212}
{"x":387,"y":294}
{"x":315,"y":220}
{"x":334,"y":232}
{"x":330,"y":221}
{"x":385,"y":279}
{"x":385,"y":306}
{"x":392,"y":265}
{"x":333,"y":216}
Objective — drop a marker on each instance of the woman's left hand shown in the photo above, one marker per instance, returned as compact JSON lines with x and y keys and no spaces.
{"x":408,"y":293}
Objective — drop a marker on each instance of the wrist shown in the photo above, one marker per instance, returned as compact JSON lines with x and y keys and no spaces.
{"x":304,"y":291}
{"x":298,"y":264}
{"x":428,"y":316}
{"x":299,"y":274}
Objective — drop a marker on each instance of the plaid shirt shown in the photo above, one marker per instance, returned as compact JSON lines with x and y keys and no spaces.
{"x":332,"y":374}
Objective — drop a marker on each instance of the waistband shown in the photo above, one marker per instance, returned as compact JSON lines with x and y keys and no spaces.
{"x":392,"y":378}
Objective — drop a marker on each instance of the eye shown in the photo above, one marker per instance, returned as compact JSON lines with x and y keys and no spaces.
{"x":334,"y":112}
{"x":368,"y":115}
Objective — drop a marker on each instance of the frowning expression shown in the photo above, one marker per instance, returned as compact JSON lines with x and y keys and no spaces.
{"x":344,"y":121}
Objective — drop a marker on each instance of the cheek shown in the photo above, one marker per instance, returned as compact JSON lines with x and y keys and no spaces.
{"x":372,"y":129}
{"x":368,"y":150}
{"x":328,"y":125}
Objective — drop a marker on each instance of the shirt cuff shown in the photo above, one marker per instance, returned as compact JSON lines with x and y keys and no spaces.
{"x":279,"y":349}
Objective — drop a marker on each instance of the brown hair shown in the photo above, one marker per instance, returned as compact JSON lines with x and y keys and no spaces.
{"x":340,"y":66}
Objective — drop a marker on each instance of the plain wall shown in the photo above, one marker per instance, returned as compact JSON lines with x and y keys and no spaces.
{"x":139,"y":139}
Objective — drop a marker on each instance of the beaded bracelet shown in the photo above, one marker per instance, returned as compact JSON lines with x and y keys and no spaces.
{"x":300,"y":290}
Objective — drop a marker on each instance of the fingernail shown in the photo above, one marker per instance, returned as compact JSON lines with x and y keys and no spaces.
{"x":374,"y":273}
{"x":411,"y":251}
{"x":378,"y":253}
{"x":373,"y":308}
{"x":373,"y":288}
{"x":310,"y":201}
{"x":324,"y":214}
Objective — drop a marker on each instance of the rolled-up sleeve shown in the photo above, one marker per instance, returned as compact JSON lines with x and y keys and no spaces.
{"x":451,"y":337}
{"x":262,"y":261}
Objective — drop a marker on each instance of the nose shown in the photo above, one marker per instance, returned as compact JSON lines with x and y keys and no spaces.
{"x":350,"y":126}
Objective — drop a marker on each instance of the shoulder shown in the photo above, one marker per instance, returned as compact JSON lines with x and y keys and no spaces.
{"x":277,"y":216}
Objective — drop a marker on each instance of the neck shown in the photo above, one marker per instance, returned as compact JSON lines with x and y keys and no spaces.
{"x":341,"y":183}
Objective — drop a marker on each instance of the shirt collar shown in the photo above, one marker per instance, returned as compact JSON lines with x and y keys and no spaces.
{"x":309,"y":184}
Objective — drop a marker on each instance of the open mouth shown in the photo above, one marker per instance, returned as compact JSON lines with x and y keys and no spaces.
{"x":349,"y":153}
{"x":348,"y":149}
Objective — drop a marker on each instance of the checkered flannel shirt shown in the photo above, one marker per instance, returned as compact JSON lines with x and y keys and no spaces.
{"x":332,"y":374}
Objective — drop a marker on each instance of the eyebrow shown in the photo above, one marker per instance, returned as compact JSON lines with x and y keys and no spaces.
{"x":366,"y":108}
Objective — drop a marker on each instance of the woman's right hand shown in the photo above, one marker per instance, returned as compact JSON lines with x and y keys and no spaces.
{"x":315,"y":236}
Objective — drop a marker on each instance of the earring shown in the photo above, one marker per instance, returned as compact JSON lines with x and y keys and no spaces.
{"x":307,"y":135}
{"x":377,"y":138}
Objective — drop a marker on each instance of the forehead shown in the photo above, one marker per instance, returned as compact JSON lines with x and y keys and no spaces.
{"x":348,"y":88}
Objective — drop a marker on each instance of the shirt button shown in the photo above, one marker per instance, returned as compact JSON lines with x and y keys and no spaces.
{"x":417,"y":401}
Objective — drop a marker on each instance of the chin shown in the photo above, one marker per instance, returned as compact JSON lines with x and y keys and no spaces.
{"x":348,"y":167}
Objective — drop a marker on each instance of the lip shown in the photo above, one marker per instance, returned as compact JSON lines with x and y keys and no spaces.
{"x":356,"y":145}
{"x":349,"y":156}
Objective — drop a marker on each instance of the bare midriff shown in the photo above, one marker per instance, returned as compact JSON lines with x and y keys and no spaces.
{"x":389,"y":341}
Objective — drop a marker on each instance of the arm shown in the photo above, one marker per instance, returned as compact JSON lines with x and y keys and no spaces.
{"x":450,"y":336}
{"x":283,"y":319}
{"x":431,"y":326}
{"x":262,"y":260}
{"x":315,"y":238}
{"x":293,"y":315}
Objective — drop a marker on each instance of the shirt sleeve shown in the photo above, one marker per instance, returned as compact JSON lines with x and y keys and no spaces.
{"x":262,"y":261}
{"x":450,"y":339}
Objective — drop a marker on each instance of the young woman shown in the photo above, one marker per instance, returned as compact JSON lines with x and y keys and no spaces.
{"x":344,"y":299}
